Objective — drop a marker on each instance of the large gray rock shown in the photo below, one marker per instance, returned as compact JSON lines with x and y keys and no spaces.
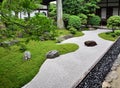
{"x":62,"y":38}
{"x":52,"y":54}
{"x":27,"y":55}
{"x":90,"y":43}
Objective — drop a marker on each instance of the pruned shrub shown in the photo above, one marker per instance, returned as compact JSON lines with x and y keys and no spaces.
{"x":40,"y":25}
{"x":83,"y":18}
{"x":113,"y":22}
{"x":65,"y":19}
{"x":74,"y":21}
{"x":94,"y":20}
{"x":73,"y":30}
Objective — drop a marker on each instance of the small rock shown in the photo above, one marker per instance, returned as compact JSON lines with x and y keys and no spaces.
{"x":108,"y":79}
{"x":68,"y":36}
{"x":52,"y":54}
{"x":116,"y":64}
{"x":114,"y":68}
{"x":13,"y":42}
{"x":62,"y":38}
{"x":27,"y":55}
{"x":7,"y":43}
{"x":111,"y":76}
{"x":106,"y":85}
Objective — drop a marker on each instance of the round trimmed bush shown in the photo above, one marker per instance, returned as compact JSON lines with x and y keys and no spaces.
{"x":94,"y":20}
{"x":73,"y":30}
{"x":113,"y":22}
{"x":83,"y":18}
{"x":74,"y":21}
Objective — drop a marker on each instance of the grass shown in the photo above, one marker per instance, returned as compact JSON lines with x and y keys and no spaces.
{"x":62,"y":32}
{"x":110,"y":35}
{"x":16,"y":72}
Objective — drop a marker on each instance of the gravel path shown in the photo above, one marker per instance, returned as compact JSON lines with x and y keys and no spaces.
{"x":67,"y":70}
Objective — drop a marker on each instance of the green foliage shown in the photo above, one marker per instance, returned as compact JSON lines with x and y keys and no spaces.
{"x":74,"y":21}
{"x":52,"y":11}
{"x":41,"y":25}
{"x":15,"y":72}
{"x":75,"y":7}
{"x":94,"y":20}
{"x":63,"y":32}
{"x":112,"y":36}
{"x":72,"y":6}
{"x":73,"y":30}
{"x":22,"y":47}
{"x":113,"y":22}
{"x":65,"y":19}
{"x":13,"y":26}
{"x":83,"y":18}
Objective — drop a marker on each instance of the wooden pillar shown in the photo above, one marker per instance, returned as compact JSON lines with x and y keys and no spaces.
{"x":59,"y":14}
{"x":107,"y":9}
{"x":119,"y":8}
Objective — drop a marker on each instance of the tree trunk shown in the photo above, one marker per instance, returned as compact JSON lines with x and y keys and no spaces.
{"x":28,"y":15}
{"x":59,"y":14}
{"x":16,"y":14}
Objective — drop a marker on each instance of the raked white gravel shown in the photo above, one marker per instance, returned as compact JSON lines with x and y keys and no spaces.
{"x":67,"y":70}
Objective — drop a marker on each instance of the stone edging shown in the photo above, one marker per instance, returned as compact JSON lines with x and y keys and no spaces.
{"x":98,"y":72}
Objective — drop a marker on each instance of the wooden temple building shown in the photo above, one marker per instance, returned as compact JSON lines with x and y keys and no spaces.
{"x":108,"y":8}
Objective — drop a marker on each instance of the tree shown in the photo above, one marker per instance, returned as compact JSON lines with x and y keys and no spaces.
{"x":59,"y":14}
{"x":17,"y":6}
{"x":29,"y":6}
{"x":113,"y":22}
{"x":75,"y":7}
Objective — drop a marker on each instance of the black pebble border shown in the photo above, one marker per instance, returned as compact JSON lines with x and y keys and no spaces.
{"x":98,"y":73}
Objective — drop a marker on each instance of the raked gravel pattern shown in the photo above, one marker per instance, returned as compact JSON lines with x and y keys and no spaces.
{"x":67,"y":70}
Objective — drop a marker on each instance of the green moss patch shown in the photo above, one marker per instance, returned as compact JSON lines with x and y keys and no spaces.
{"x":16,"y":72}
{"x":110,"y":35}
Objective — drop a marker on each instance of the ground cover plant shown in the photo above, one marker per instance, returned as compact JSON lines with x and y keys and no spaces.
{"x":63,"y":32}
{"x":112,"y":36}
{"x":16,"y":72}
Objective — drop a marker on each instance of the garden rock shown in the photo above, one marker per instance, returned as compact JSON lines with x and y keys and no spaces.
{"x":52,"y":54}
{"x":90,"y":43}
{"x":14,"y":42}
{"x":27,"y":55}
{"x":111,"y":76}
{"x":8,"y":43}
{"x":106,"y":85}
{"x":114,"y":68}
{"x":62,"y":38}
{"x":91,"y":28}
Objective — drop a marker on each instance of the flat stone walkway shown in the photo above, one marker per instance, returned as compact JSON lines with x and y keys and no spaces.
{"x":67,"y":70}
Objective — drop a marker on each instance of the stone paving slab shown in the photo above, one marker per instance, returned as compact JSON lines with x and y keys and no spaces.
{"x":66,"y":70}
